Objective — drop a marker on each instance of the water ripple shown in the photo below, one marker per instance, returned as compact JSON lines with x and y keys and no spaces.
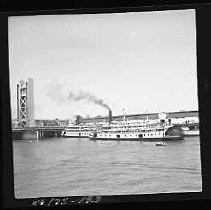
{"x":61,"y":167}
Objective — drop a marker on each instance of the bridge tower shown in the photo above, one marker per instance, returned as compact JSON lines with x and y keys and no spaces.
{"x":25,"y":103}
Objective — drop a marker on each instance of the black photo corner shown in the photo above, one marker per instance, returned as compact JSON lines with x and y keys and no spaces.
{"x":145,"y":201}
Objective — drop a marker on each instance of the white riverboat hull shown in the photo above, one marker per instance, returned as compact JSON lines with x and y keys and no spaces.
{"x":169,"y":138}
{"x":75,"y":134}
{"x":68,"y":136}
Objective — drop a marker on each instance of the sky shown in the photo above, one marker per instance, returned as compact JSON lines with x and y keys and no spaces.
{"x":136,"y":61}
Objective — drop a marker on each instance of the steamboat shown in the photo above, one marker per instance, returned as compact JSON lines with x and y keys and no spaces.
{"x":76,"y":131}
{"x":139,"y":130}
{"x":138,"y":133}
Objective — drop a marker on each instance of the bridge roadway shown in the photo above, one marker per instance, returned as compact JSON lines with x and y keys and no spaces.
{"x":38,"y":132}
{"x":41,"y":128}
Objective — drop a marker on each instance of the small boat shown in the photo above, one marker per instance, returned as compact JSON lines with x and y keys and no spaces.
{"x":160,"y":144}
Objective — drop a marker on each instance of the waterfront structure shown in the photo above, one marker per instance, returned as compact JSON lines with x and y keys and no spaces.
{"x":50,"y":122}
{"x":178,"y":116}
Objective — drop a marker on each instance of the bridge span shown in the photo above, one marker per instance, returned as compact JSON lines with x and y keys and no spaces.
{"x":36,"y":133}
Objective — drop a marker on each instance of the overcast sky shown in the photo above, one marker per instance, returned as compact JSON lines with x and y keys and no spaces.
{"x":136,"y":61}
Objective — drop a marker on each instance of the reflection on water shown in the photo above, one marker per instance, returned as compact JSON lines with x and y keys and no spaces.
{"x":67,"y":167}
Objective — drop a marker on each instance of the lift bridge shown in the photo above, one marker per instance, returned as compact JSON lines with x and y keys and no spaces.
{"x":26,"y":127}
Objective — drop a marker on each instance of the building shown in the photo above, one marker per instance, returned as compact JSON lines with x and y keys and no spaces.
{"x":177,"y":116}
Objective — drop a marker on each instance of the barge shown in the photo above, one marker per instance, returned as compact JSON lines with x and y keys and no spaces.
{"x":191,"y":130}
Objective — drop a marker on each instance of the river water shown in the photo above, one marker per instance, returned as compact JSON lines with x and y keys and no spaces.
{"x":71,"y":166}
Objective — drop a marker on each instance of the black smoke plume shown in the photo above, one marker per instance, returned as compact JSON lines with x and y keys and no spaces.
{"x":86,"y":96}
{"x":55,"y":91}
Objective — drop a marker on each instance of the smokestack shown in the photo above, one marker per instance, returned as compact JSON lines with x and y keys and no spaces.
{"x":77,"y":119}
{"x":110,"y":116}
